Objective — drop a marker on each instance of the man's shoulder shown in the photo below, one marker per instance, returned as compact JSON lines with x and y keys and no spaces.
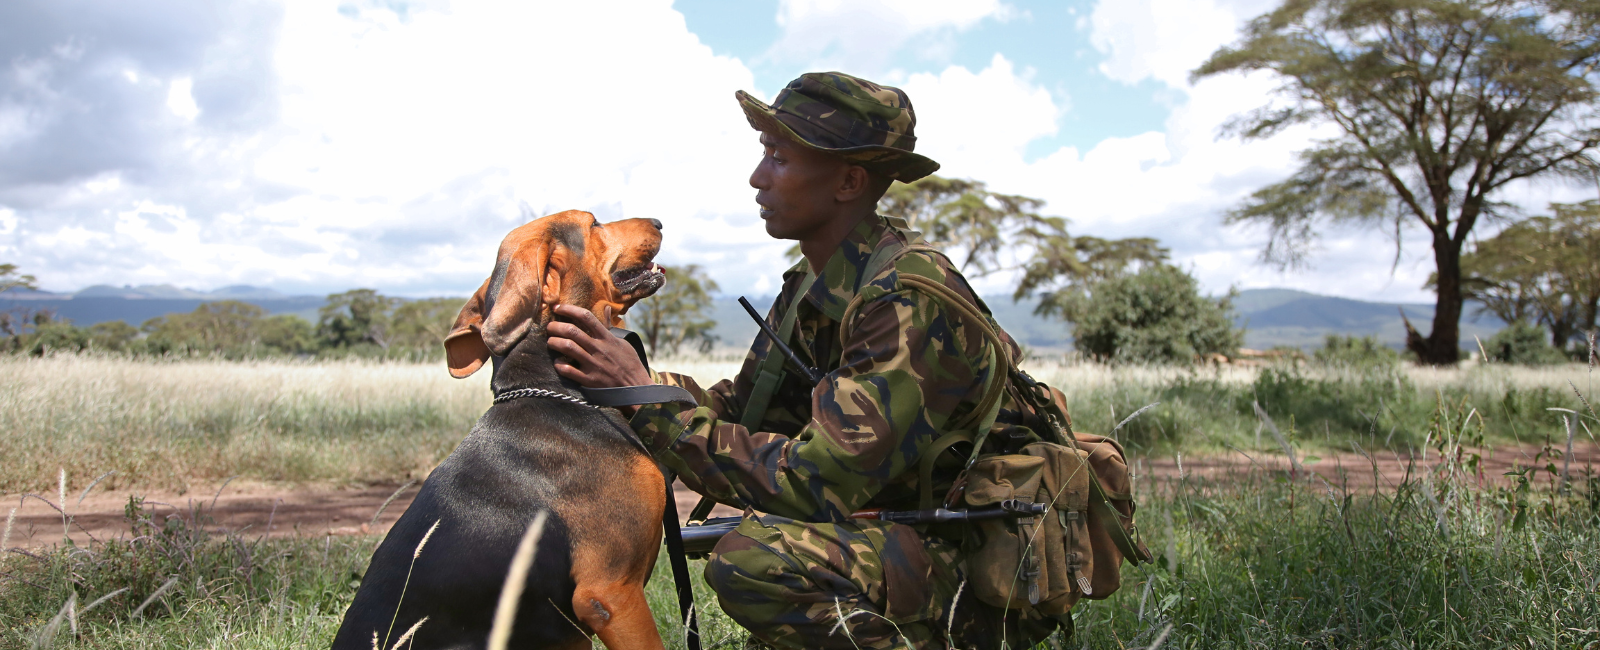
{"x":916,"y":259}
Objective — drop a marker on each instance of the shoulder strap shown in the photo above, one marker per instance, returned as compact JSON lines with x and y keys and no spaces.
{"x":975,"y":426}
{"x":771,"y":373}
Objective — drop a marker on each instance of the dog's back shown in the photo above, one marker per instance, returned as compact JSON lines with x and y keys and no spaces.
{"x":576,"y":466}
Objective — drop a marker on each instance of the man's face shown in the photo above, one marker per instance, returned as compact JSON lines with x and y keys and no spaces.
{"x":796,"y":187}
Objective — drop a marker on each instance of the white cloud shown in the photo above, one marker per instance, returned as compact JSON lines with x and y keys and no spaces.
{"x":864,"y":34}
{"x":180,"y":99}
{"x":1160,"y":39}
{"x":371,"y":148}
{"x":400,"y":150}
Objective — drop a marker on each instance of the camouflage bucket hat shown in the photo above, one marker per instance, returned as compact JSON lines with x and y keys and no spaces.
{"x":860,"y":121}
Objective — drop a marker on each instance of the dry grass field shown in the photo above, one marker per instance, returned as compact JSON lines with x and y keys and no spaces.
{"x":1437,"y":559}
{"x":165,"y":425}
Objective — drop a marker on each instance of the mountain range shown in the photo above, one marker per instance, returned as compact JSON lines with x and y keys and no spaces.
{"x":1271,"y":317}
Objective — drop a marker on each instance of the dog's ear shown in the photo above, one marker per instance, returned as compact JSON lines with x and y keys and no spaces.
{"x":464,"y":349}
{"x":513,"y":302}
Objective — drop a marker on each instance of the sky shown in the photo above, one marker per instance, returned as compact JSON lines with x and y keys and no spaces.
{"x":318,"y":146}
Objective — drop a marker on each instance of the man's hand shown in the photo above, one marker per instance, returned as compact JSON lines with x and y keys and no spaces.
{"x":594,"y":357}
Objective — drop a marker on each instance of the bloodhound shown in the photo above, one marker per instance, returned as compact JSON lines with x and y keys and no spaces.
{"x":549,"y":452}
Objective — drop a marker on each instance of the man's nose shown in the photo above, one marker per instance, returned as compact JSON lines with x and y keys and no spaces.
{"x":656,"y":223}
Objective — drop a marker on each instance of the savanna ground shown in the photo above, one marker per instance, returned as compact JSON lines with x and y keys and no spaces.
{"x":1435,"y":514}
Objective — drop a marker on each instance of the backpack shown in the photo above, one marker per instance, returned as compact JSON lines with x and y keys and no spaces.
{"x":1044,"y":563}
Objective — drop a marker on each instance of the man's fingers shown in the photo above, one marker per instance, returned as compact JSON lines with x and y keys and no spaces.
{"x":585,"y":320}
{"x":572,"y":334}
{"x":572,"y":350}
{"x":571,"y":372}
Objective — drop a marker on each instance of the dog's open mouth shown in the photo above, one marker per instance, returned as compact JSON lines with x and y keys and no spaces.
{"x":640,"y":281}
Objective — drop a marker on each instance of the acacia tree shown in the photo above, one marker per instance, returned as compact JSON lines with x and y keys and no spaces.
{"x":1065,"y":270}
{"x":1543,"y":270}
{"x":679,"y":313}
{"x":963,"y":215}
{"x":11,"y":321}
{"x":1439,"y":104}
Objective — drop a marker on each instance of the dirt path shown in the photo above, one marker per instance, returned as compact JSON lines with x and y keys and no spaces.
{"x":255,"y":508}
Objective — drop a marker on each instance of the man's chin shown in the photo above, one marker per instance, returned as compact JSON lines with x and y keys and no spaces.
{"x":776,"y":230}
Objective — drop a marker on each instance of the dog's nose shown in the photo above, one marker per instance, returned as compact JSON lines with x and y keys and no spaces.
{"x":656,"y":223}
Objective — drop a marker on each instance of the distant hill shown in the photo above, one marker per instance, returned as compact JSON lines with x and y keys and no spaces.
{"x":1272,"y":316}
{"x":135,"y":305}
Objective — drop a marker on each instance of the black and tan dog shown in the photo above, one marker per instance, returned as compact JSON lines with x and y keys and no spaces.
{"x":577,"y":462}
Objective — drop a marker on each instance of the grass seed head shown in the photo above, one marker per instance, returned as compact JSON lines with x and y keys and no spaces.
{"x":418,"y":553}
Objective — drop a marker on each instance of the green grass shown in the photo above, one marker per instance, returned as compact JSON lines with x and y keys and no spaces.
{"x":1255,"y":563}
{"x":1320,"y":408}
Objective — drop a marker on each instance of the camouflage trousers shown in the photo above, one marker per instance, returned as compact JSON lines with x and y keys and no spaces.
{"x":855,"y":584}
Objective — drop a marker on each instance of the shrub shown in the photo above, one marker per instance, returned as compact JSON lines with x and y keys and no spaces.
{"x":1155,"y":315}
{"x":1522,"y":343}
{"x":1355,"y":351}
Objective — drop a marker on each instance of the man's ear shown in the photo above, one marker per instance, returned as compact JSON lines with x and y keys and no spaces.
{"x":464,"y":350}
{"x":854,"y":183}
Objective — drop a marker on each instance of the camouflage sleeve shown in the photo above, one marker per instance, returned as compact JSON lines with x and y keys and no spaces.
{"x":906,"y":371}
{"x":717,"y":398}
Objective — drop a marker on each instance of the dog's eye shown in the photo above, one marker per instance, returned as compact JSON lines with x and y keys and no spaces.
{"x":594,"y":225}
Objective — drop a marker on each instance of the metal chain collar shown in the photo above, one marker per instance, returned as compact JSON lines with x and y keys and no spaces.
{"x":539,"y":392}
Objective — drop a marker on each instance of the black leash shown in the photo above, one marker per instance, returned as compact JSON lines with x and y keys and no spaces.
{"x":680,"y":570}
{"x":632,"y":395}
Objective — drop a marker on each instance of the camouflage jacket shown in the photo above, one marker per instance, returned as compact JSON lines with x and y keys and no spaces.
{"x":852,"y":441}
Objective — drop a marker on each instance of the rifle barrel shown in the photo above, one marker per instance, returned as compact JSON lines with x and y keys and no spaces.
{"x":812,"y":376}
{"x":699,"y":539}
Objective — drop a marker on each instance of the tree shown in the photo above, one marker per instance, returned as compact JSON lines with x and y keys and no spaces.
{"x":679,"y":313}
{"x":1154,"y":315}
{"x":113,"y":336}
{"x":1064,"y":270}
{"x":354,"y":317}
{"x":1544,"y":270}
{"x":13,"y":321}
{"x":222,"y":327}
{"x":286,"y":334}
{"x":962,"y":215}
{"x":10,"y":279}
{"x":1439,"y":104}
{"x":423,"y":324}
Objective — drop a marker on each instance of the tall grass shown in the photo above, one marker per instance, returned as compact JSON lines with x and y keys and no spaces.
{"x":1438,"y":562}
{"x":173,"y":582}
{"x":164,"y":424}
{"x":1254,"y":563}
{"x":1335,"y":407}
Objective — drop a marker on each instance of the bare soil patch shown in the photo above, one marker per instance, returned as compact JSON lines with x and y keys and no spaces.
{"x":275,"y":510}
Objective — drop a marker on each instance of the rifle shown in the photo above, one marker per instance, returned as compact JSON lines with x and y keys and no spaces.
{"x":812,"y":376}
{"x":700,"y":538}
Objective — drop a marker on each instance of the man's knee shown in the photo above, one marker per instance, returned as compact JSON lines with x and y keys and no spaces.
{"x":825,"y":585}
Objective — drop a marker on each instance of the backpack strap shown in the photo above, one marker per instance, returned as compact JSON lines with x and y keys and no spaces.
{"x":973,"y":428}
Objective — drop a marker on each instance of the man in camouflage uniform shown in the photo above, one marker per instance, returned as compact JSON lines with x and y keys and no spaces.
{"x":799,"y":572}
